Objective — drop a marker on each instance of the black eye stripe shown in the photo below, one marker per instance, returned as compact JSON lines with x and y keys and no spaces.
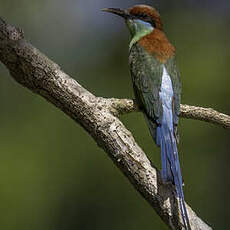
{"x":144,"y":17}
{"x":141,"y":16}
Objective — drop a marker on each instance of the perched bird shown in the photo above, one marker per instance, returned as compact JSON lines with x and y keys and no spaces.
{"x":157,"y":87}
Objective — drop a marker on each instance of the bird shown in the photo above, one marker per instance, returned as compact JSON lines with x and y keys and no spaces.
{"x":157,"y":88}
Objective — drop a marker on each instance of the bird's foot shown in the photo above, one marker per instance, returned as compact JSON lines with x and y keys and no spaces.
{"x":167,"y":181}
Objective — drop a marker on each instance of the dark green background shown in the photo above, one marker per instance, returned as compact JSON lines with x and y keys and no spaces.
{"x":52,"y":174}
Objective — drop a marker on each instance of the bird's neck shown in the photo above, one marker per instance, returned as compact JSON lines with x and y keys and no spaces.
{"x":138,"y":29}
{"x":157,"y":44}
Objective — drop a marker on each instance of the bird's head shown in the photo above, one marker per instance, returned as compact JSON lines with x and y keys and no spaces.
{"x":146,"y":29}
{"x":140,"y":19}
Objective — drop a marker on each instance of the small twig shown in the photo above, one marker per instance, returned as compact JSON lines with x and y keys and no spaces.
{"x":205,"y":114}
{"x":123,"y":106}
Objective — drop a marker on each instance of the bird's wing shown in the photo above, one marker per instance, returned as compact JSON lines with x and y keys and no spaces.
{"x":146,"y":72}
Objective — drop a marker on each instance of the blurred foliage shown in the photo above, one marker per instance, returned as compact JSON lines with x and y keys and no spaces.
{"x":52,"y":174}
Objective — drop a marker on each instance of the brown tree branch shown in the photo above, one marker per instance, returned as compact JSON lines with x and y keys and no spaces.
{"x":205,"y":114}
{"x":96,"y":115}
{"x":123,"y":106}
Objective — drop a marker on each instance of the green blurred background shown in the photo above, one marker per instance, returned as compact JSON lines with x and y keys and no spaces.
{"x":52,"y":174}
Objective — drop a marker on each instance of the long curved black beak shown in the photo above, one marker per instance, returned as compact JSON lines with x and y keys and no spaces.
{"x":117,"y":11}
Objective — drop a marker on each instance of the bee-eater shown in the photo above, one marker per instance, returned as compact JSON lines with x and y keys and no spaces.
{"x":157,"y":87}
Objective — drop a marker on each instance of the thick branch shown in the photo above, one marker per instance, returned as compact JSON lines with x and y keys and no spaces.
{"x":35,"y":71}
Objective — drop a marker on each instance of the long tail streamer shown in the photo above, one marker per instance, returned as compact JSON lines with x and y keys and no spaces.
{"x":171,"y":166}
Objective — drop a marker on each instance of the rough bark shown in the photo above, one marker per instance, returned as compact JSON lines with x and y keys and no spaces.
{"x":99,"y":117}
{"x":122,"y":106}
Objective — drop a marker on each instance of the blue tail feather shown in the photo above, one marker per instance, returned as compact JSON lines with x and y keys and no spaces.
{"x":171,"y":171}
{"x":163,"y":132}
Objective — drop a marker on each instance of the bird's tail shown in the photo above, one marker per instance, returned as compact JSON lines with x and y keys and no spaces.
{"x":171,"y":171}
